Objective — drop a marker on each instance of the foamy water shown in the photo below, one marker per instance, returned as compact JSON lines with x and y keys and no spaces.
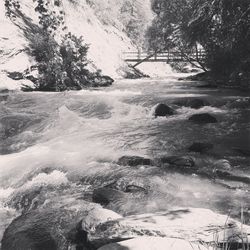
{"x":71,"y":141}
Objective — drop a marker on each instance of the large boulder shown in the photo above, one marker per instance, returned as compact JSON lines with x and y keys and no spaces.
{"x":153,"y":243}
{"x":191,"y":224}
{"x":106,"y":195}
{"x":15,"y":75}
{"x":202,"y":118}
{"x":98,"y":216}
{"x":196,"y":103}
{"x":200,"y":147}
{"x":178,"y":162}
{"x":55,"y":226}
{"x":163,"y":110}
{"x":133,"y":161}
{"x":43,"y":229}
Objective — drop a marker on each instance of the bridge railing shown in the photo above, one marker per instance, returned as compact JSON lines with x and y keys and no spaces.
{"x":166,"y":56}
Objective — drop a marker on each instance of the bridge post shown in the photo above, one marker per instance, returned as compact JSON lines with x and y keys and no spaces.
{"x":139,"y":54}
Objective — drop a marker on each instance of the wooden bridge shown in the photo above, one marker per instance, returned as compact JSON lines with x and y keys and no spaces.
{"x":139,"y":57}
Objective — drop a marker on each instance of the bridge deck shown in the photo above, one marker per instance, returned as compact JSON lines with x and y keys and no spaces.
{"x":167,"y":56}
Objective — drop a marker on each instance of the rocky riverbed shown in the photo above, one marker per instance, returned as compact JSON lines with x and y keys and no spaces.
{"x":139,"y":164}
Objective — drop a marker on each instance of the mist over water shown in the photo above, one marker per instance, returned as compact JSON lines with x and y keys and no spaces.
{"x":66,"y":144}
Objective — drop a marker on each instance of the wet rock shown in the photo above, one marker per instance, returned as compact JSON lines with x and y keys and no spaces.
{"x":192,"y":103}
{"x":191,"y":224}
{"x":101,"y":81}
{"x":200,"y":147}
{"x":183,"y":162}
{"x":78,"y":239}
{"x":43,"y":229}
{"x":132,"y":184}
{"x":15,"y":75}
{"x":135,"y":189}
{"x":242,"y":151}
{"x":150,"y":243}
{"x":225,"y":175}
{"x":202,"y":118}
{"x":163,"y":110}
{"x":223,"y":164}
{"x":197,"y":103}
{"x":11,"y":125}
{"x":241,"y":103}
{"x":32,"y":78}
{"x":4,"y":91}
{"x":3,"y":97}
{"x":105,"y":195}
{"x":97,"y":216}
{"x":134,"y":161}
{"x":29,"y":200}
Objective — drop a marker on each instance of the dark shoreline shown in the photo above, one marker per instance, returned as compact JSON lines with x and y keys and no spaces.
{"x":212,"y":81}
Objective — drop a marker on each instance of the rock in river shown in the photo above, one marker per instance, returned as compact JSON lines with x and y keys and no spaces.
{"x":197,"y":103}
{"x":55,"y":226}
{"x":131,"y":184}
{"x":43,"y":229}
{"x":163,"y":110}
{"x":97,"y":216}
{"x":186,"y":162}
{"x":190,"y":224}
{"x":242,"y":103}
{"x":202,"y":118}
{"x":222,"y":164}
{"x":200,"y":147}
{"x":106,"y":195}
{"x":221,"y":174}
{"x":134,"y":161}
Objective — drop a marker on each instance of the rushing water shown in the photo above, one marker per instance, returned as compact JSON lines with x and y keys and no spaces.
{"x":66,"y":144}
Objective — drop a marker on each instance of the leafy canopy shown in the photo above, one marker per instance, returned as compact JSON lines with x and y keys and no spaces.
{"x":221,"y":27}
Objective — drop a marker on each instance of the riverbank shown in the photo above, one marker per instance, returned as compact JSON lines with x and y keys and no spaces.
{"x":236,"y":81}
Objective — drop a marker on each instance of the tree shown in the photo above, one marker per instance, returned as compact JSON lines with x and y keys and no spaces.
{"x":221,"y":27}
{"x":168,"y":29}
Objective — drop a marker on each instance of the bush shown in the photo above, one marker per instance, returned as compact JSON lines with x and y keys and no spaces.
{"x":63,"y":66}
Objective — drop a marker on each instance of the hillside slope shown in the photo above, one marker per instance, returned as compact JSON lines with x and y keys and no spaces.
{"x":108,"y":28}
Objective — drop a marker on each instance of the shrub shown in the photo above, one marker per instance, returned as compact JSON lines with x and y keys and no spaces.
{"x":63,"y":66}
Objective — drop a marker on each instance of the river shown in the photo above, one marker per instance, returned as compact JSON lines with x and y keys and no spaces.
{"x":68,"y":143}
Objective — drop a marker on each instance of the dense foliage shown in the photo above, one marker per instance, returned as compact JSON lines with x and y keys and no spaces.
{"x":221,"y":27}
